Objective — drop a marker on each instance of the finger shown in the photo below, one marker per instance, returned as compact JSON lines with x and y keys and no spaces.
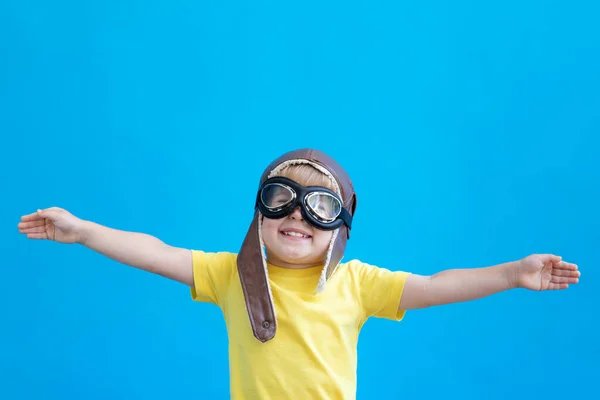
{"x":32,"y":224}
{"x":565,"y":272}
{"x":558,"y":286}
{"x":31,"y":217}
{"x":566,"y":266}
{"x":39,"y":214}
{"x":37,"y":236}
{"x":37,"y":229}
{"x":564,"y":279}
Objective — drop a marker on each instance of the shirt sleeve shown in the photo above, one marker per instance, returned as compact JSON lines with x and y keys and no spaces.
{"x":212,"y":275}
{"x":380,"y":291}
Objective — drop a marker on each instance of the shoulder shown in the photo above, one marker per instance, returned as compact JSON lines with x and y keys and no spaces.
{"x":378,"y":289}
{"x":356,"y":268}
{"x":213,"y":272}
{"x":213,"y":257}
{"x":214,"y":264}
{"x":355,"y":271}
{"x":365,"y":274}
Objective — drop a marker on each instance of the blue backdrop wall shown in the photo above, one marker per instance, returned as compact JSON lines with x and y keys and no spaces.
{"x":470,"y":130}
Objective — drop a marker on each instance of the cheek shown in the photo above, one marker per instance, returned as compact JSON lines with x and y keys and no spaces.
{"x":270,"y":229}
{"x":322,"y":239}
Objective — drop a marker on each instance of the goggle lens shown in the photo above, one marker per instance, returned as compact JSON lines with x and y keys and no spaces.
{"x":276,"y":196}
{"x":324,"y":206}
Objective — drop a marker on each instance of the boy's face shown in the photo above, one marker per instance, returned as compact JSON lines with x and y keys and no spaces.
{"x":292,"y":243}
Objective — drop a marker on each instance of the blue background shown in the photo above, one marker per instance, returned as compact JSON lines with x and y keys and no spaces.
{"x":470,"y":130}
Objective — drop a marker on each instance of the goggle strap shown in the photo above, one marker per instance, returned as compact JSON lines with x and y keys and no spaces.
{"x":346,"y":217}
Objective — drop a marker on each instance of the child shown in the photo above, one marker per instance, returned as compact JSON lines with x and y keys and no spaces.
{"x":293,"y":310}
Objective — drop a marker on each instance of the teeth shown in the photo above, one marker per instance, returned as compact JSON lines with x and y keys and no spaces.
{"x":296,"y":234}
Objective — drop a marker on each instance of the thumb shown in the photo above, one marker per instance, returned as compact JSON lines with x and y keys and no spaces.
{"x":550,"y":258}
{"x":50,"y":213}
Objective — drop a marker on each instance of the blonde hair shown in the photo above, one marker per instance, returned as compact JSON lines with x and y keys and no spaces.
{"x":307,"y":175}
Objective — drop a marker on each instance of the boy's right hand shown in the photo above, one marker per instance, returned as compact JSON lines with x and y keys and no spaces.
{"x":52,"y":224}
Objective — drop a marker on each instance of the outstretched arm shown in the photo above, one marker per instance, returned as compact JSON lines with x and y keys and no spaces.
{"x":536,"y":272}
{"x":139,"y":250}
{"x":134,"y":249}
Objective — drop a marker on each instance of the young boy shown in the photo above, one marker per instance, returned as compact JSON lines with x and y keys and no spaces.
{"x":293,"y":310}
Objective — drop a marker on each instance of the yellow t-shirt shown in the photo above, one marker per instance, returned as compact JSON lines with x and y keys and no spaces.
{"x":313,"y":353}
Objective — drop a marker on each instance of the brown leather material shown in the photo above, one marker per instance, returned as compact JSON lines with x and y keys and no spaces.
{"x":255,"y":285}
{"x":254,"y":280}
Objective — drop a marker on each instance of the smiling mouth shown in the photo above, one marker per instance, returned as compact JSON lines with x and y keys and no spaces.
{"x":295,"y":235}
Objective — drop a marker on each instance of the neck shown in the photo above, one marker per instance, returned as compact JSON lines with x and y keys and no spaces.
{"x":293,"y":265}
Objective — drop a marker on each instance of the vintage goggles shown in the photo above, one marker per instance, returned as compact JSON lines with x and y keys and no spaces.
{"x":278,"y":197}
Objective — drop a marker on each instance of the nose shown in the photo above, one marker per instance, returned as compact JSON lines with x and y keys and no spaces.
{"x":297,"y":214}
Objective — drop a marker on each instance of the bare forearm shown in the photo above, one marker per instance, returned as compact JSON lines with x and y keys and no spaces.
{"x":456,"y":285}
{"x":459,"y":285}
{"x":138,"y":250}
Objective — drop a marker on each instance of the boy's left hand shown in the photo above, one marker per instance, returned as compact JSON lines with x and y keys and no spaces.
{"x":545,"y":272}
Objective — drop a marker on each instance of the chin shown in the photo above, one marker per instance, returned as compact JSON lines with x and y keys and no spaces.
{"x":292,"y":255}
